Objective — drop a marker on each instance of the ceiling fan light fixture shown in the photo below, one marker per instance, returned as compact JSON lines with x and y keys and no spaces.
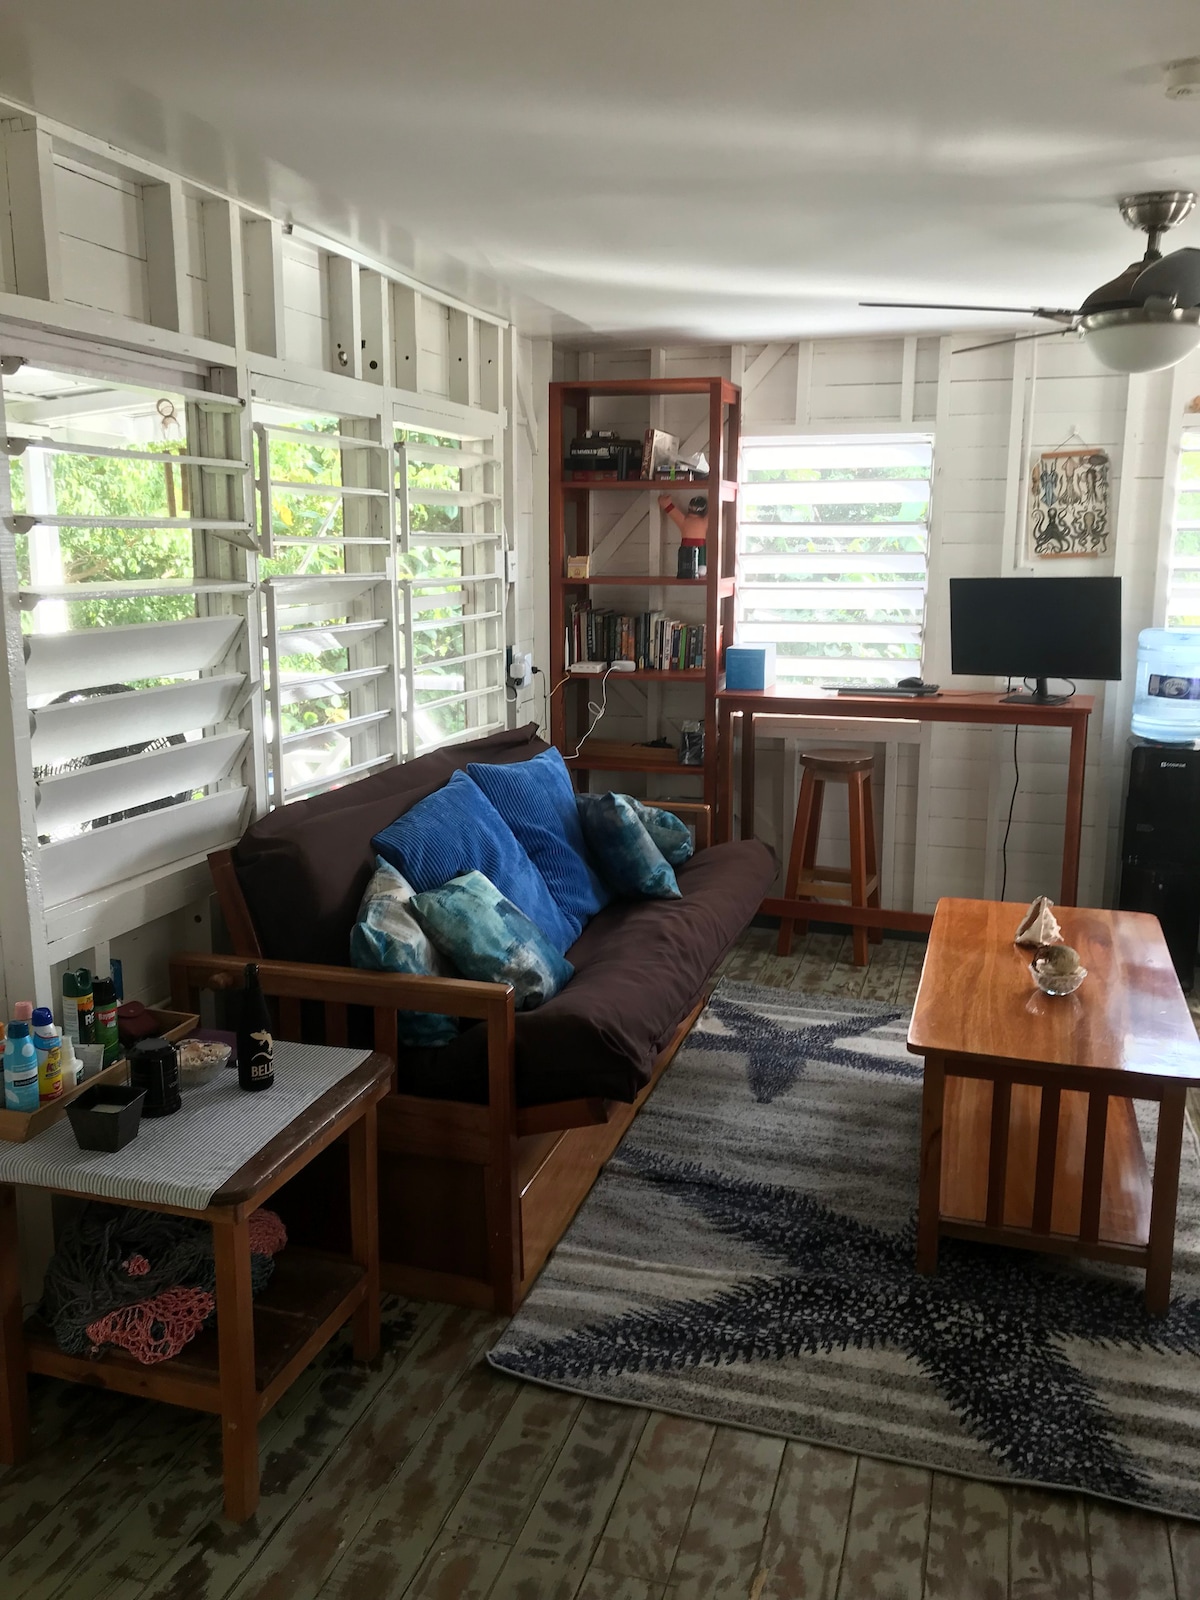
{"x":1142,"y":339}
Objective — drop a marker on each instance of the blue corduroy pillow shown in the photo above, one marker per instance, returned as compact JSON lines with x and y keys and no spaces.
{"x":388,"y":938}
{"x":631,"y":863}
{"x":487,"y":938}
{"x":458,"y":829}
{"x":537,"y":801}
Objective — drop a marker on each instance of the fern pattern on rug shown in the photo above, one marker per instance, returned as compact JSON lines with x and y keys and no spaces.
{"x":747,"y":1258}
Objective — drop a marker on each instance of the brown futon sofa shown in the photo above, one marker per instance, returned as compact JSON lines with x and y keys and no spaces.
{"x":489,"y":1144}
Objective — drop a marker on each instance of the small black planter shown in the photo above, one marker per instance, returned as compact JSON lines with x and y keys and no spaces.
{"x":97,"y":1129}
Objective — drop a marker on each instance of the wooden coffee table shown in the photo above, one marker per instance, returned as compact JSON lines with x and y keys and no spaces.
{"x":1028,"y":1132}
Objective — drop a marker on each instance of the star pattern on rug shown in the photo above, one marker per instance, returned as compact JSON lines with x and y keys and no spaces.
{"x":989,"y":1330}
{"x":777,"y":1054}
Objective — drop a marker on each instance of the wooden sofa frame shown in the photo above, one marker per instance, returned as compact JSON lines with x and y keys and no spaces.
{"x":477,"y":1195}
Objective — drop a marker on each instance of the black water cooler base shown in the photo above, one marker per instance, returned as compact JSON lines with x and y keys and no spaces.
{"x":1160,"y":846}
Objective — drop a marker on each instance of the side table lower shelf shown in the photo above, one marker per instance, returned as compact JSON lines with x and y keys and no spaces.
{"x":309,"y":1297}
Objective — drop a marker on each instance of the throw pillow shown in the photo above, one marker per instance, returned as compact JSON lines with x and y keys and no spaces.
{"x":388,"y":938}
{"x":669,"y":832}
{"x":487,"y":938}
{"x":458,"y":830}
{"x":629,"y":860}
{"x":537,"y":801}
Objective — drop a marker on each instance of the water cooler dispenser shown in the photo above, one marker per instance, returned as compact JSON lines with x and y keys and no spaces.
{"x":1160,"y":841}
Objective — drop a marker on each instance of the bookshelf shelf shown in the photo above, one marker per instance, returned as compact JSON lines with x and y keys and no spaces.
{"x":644,"y":675}
{"x":646,"y":581}
{"x":598,"y":756}
{"x":575,"y":512}
{"x":572,"y":483}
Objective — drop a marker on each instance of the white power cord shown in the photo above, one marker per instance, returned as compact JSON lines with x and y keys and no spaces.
{"x":595,"y":712}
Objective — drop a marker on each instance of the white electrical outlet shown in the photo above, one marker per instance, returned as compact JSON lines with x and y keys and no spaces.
{"x":520,"y":670}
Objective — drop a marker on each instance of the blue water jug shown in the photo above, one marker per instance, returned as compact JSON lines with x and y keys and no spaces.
{"x":1166,"y":702}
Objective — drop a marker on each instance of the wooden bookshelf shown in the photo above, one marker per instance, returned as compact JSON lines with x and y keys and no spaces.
{"x":572,"y":501}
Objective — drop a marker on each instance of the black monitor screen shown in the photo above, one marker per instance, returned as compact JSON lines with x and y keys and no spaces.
{"x":1036,"y":627}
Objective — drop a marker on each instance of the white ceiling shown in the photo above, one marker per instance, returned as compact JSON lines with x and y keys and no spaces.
{"x":670,"y":168}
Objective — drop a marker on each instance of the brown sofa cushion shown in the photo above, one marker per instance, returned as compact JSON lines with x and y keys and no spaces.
{"x":639,"y":967}
{"x":304,"y":867}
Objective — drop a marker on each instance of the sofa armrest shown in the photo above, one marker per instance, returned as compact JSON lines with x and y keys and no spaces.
{"x":355,"y":986}
{"x":383,"y":993}
{"x":693,"y":811}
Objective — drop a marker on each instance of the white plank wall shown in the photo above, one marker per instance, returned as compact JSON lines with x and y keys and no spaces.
{"x":987,"y":411}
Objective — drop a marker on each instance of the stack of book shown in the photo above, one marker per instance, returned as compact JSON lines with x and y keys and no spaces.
{"x":651,"y":639}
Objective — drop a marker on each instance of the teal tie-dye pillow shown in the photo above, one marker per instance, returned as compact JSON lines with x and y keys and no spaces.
{"x":623,"y":852}
{"x":669,"y":832}
{"x":487,"y":938}
{"x":388,"y":938}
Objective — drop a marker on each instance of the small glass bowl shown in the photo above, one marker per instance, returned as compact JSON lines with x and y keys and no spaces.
{"x":200,"y":1060}
{"x":1056,"y":983}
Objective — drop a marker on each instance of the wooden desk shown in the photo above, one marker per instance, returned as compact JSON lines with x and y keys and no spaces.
{"x":949,"y":706}
{"x":1028,"y":1132}
{"x":259,"y":1347}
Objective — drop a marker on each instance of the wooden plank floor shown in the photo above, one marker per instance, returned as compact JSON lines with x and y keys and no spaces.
{"x":431,"y":1477}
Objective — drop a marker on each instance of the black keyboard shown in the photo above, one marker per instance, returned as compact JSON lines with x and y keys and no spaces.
{"x":890,"y":689}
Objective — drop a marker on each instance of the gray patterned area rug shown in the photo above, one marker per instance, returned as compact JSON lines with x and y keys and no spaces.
{"x":746,"y":1257}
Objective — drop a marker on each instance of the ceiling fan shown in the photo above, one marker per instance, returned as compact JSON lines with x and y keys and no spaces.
{"x":1144,"y":319}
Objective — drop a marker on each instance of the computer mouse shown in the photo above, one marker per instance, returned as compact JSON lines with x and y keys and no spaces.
{"x":910,"y":683}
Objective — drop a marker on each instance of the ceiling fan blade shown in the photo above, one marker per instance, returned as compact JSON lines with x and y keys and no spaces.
{"x":1054,"y":312}
{"x":1014,"y":338}
{"x":1172,"y":277}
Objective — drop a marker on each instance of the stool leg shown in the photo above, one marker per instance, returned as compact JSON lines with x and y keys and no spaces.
{"x":808,"y":808}
{"x":808,"y":856}
{"x":875,"y":934}
{"x":858,"y":864}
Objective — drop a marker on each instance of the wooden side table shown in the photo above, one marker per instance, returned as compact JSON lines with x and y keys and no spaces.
{"x":259,"y":1347}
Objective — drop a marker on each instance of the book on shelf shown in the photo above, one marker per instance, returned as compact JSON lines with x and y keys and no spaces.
{"x":652,"y":640}
{"x":658,"y":452}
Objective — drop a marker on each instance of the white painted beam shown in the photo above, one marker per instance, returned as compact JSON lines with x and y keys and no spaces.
{"x":33,"y":211}
{"x":221,"y":222}
{"x":262,"y":252}
{"x":375,"y":299}
{"x":165,"y":225}
{"x":345,"y":318}
{"x":463,"y":375}
{"x":406,"y":306}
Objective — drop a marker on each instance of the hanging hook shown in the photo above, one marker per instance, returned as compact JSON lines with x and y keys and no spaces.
{"x":1074,"y":434}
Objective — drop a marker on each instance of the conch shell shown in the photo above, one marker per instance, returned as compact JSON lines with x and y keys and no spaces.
{"x":1039,"y":925}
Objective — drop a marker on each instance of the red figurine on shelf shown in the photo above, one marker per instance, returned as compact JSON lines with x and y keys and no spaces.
{"x":693,"y":526}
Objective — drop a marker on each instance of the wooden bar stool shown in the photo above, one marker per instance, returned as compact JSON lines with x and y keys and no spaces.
{"x":858,"y":886}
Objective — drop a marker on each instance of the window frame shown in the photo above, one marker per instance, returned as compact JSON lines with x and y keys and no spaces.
{"x":1173,"y":566}
{"x":811,"y":566}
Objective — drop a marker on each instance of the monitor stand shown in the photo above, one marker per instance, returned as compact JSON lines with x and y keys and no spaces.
{"x":1040,"y":696}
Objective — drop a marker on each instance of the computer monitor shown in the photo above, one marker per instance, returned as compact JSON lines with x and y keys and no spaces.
{"x":1036,"y":628}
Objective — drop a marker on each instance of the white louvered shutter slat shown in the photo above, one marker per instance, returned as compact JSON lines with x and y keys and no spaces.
{"x":832,"y":541}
